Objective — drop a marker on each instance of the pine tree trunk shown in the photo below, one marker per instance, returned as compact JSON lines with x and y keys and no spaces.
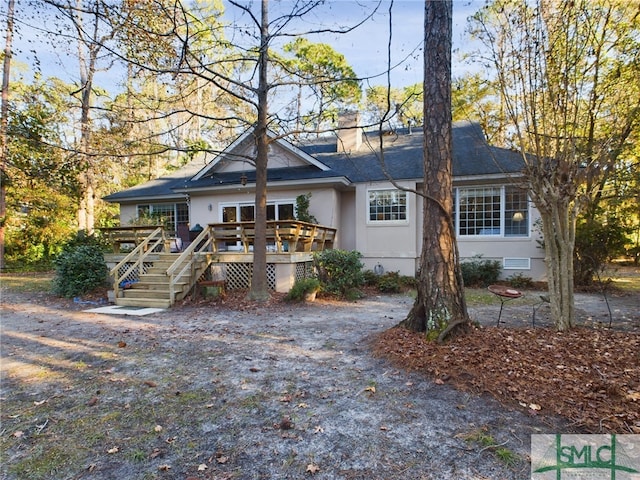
{"x":440,"y":308}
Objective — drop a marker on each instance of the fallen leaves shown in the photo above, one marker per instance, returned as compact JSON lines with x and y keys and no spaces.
{"x":585,"y":376}
{"x":312,"y":468}
{"x":156,"y":453}
{"x":633,"y":396}
{"x":532,"y":406}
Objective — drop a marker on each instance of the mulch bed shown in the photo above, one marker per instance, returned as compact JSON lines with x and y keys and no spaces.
{"x":590,"y":377}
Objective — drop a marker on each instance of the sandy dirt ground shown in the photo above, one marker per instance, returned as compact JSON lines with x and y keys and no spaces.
{"x":285,"y":391}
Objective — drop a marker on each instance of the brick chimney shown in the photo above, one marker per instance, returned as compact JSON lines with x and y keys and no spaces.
{"x":349,"y":134}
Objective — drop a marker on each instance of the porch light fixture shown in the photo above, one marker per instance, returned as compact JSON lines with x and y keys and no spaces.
{"x":243,"y":179}
{"x":518,"y":217}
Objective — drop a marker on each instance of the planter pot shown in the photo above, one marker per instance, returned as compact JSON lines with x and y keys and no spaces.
{"x":212,"y":289}
{"x":310,"y":296}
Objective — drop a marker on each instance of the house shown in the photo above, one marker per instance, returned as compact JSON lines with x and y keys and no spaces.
{"x":348,"y":180}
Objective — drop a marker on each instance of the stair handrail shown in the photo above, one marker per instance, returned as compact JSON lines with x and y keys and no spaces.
{"x":142,"y":252}
{"x":200,"y":244}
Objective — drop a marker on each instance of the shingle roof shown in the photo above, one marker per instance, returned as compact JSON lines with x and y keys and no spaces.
{"x":403,"y":153}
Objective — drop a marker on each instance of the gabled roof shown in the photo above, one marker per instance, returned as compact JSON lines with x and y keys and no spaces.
{"x":246,"y":136}
{"x":321,"y":162}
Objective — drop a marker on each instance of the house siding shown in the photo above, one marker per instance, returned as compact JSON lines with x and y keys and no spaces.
{"x":393,"y":245}
{"x":346,"y":234}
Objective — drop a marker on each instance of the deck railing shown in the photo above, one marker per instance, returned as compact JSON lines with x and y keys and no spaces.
{"x":283,"y":236}
{"x":130,"y":235}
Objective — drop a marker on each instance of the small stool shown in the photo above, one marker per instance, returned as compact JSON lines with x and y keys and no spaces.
{"x":504,"y":294}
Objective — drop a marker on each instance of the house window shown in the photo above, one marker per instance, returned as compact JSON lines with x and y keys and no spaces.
{"x":387,"y":205}
{"x":492,"y":211}
{"x":168,"y":214}
{"x":247,"y":212}
{"x":516,"y":212}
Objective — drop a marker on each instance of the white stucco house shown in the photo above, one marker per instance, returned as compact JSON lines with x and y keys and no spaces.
{"x":350,"y":191}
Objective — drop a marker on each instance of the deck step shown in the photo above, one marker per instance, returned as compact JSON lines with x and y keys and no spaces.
{"x":143,"y":302}
{"x":144,"y":293}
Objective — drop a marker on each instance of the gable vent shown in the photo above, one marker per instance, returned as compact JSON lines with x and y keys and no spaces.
{"x":516,"y":263}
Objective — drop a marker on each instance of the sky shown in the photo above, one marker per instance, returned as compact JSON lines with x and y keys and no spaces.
{"x":365,"y":48}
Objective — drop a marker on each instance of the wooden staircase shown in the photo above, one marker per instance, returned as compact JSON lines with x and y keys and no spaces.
{"x":153,"y":287}
{"x":150,"y":276}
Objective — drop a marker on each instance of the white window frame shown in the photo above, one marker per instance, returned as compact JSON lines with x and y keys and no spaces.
{"x":391,"y":221}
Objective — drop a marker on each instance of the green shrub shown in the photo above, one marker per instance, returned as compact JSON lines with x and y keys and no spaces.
{"x":596,"y":243}
{"x":302,"y":209}
{"x":81,"y":238}
{"x":340,"y":272}
{"x":390,"y":282}
{"x":79,"y":270}
{"x":480,"y":272}
{"x":518,"y":280}
{"x":301,"y":288}
{"x":370,"y":278}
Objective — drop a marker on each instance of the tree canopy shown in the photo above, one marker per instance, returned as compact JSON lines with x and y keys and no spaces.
{"x":567,"y":74}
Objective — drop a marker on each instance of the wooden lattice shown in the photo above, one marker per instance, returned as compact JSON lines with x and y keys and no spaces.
{"x":134,"y":275}
{"x":304,"y":270}
{"x":238,"y":275}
